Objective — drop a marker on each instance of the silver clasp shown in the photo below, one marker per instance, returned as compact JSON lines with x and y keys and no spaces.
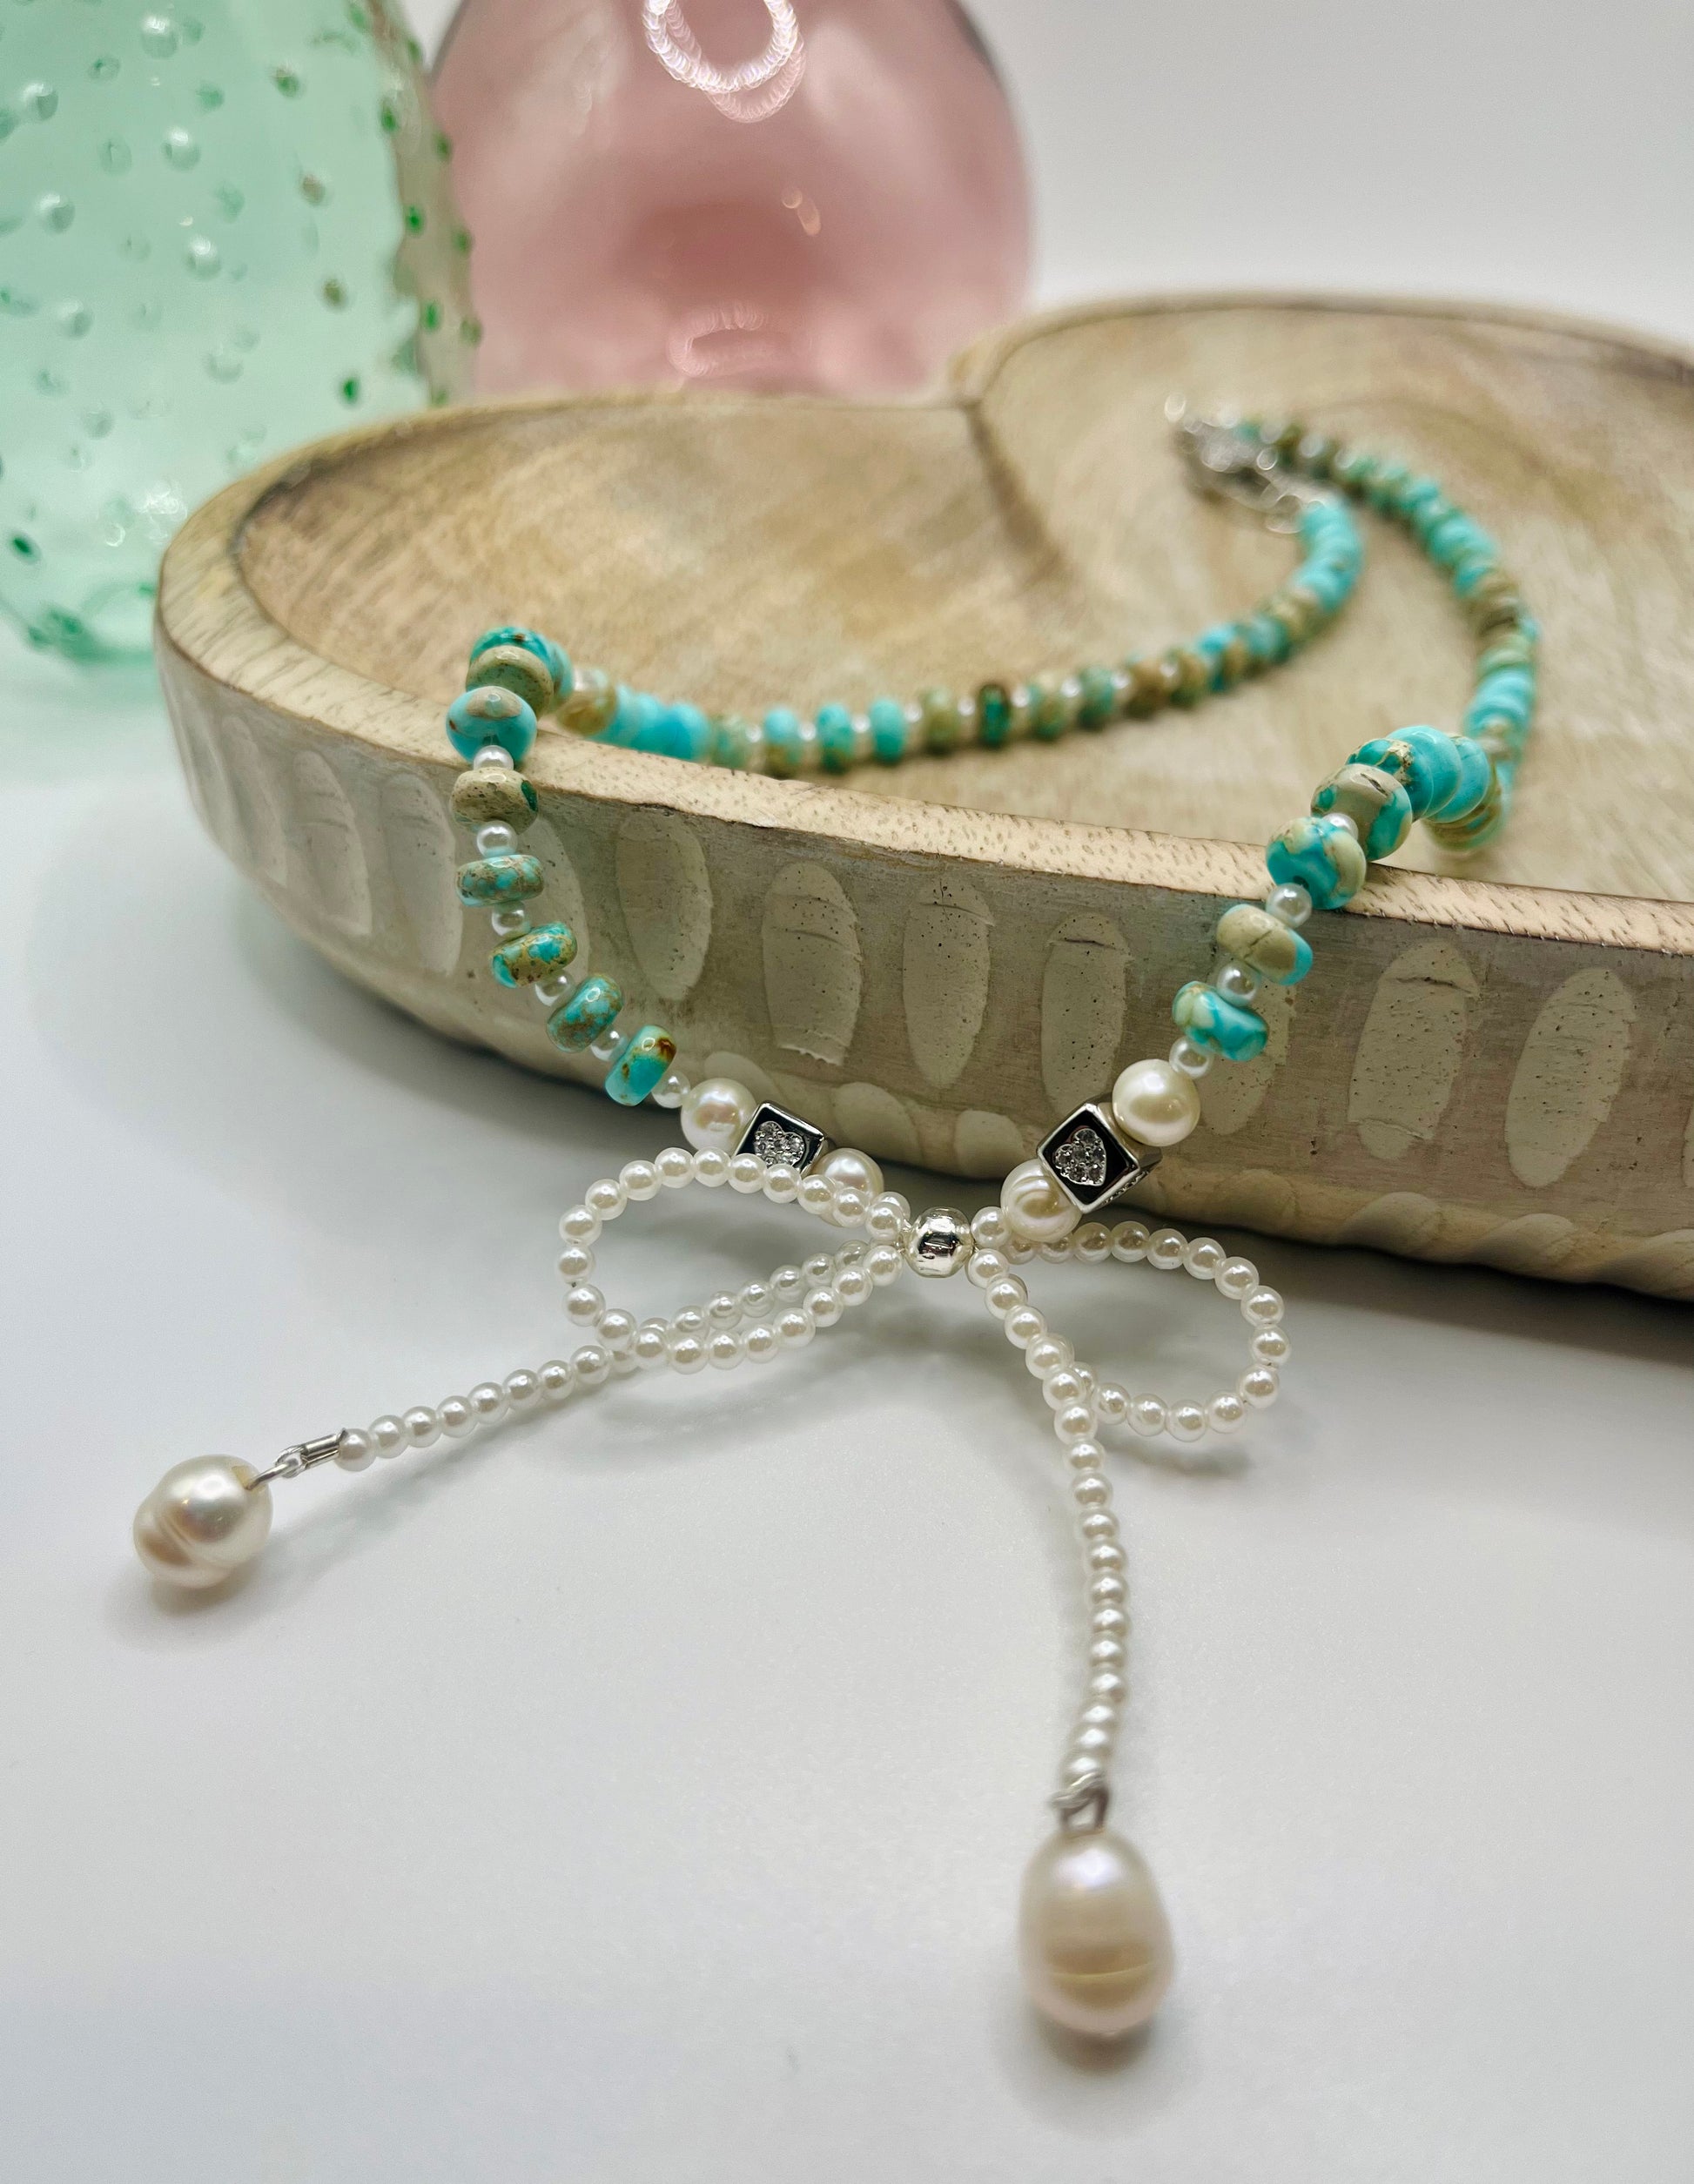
{"x":302,"y":1457}
{"x":1231,"y":462}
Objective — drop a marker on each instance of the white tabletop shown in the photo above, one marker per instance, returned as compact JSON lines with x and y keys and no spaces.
{"x":641,"y":1792}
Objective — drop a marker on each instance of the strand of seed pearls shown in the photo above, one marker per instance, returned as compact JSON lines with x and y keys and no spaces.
{"x":1094,"y":1938}
{"x":754,"y":1324}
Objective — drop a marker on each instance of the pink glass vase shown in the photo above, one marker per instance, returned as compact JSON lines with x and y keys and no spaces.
{"x":824,"y":194}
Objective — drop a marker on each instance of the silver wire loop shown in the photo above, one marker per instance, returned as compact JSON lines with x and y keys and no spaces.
{"x":1083,"y":1805}
{"x":1229,"y":461}
{"x":302,"y":1457}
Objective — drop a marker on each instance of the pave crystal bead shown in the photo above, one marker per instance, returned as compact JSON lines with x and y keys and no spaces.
{"x":783,"y":1140}
{"x":1089,"y":1158}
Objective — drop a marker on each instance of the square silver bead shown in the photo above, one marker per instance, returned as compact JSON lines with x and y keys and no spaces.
{"x":1091,"y":1161}
{"x":781,"y":1140}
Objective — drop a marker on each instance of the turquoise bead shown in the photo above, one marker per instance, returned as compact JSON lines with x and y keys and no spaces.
{"x":675,"y":731}
{"x":542,"y":953}
{"x":1264,"y":944}
{"x":1508,"y":694}
{"x":889,"y":729}
{"x":490,"y":714}
{"x":1099,"y":697}
{"x":1375,"y":802}
{"x":1266,"y":638}
{"x":993,"y":715}
{"x":782,"y":742}
{"x":1475,"y":770}
{"x":835,"y":738}
{"x":632,"y":718}
{"x":1422,"y":759}
{"x":499,"y":881}
{"x":1323,"y":855}
{"x":591,"y":1010}
{"x":557,"y":662}
{"x":641,"y":1067}
{"x":1220,"y":1025}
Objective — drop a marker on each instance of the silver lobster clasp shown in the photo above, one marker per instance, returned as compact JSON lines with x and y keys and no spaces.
{"x":1232,"y":462}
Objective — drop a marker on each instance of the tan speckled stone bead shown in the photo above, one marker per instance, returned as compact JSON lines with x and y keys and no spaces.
{"x":483,"y":795}
{"x":513,"y":668}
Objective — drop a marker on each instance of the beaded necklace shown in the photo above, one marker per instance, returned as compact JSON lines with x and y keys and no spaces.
{"x":1095,"y":1943}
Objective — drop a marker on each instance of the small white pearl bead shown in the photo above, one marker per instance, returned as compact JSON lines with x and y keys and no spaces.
{"x":1165,"y":1249}
{"x":456,"y":1416}
{"x":494,"y":839}
{"x":1074,"y":1423}
{"x":1289,"y":901}
{"x":687,"y":1353}
{"x":617,"y":1331}
{"x":1108,"y":1589}
{"x":1006,"y":1296}
{"x":1110,"y":1622}
{"x":583,"y":1305}
{"x":782,"y":1183}
{"x":787,"y":1285}
{"x":1260,"y":1386}
{"x":1064,"y":1385}
{"x":712,"y":1167}
{"x":606,"y":1198}
{"x":1147,"y":1414}
{"x":990,"y":1228}
{"x":1261,"y":1308}
{"x":493,"y":755}
{"x":523,"y":1388}
{"x":852,"y":1285}
{"x":1113,"y":1402}
{"x":1237,"y":982}
{"x":724,"y":1350}
{"x":557,"y":1379}
{"x":1203,"y":1257}
{"x":689,"y":1321}
{"x":675,"y":1167}
{"x":746,"y":1174}
{"x":851,"y":1170}
{"x":1225,"y":1413}
{"x":580,"y":1225}
{"x":1056,"y":1251}
{"x":488,"y":1400}
{"x":422,"y":1427}
{"x":1129,"y":1242}
{"x":575,"y":1263}
{"x":1190,"y":1056}
{"x":651,"y":1344}
{"x":884,"y":1264}
{"x":724,"y":1309}
{"x":1047,"y":1355}
{"x":592,"y":1364}
{"x":611,"y":1044}
{"x":673,"y":1090}
{"x":822,"y":1307}
{"x":815,"y":1196}
{"x":1090,"y":1491}
{"x":508,"y":924}
{"x":986,"y":1268}
{"x":1155,"y":1104}
{"x":794,"y":1328}
{"x":889,"y":1214}
{"x":1235,"y":1278}
{"x":1091,"y":1244}
{"x":1024,"y":1326}
{"x":1099,"y":1523}
{"x":640,"y":1179}
{"x":1269,"y":1346}
{"x":1106,"y":1657}
{"x":357,"y":1451}
{"x":1186,"y":1422}
{"x":818,"y":1270}
{"x":1105,"y":1555}
{"x":850,"y":1208}
{"x":716,"y":1114}
{"x":1084,"y":1455}
{"x":761,"y":1341}
{"x":1035,"y":1208}
{"x":389,"y":1434}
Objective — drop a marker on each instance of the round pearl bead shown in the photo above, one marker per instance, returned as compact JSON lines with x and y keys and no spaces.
{"x":1235,"y":1278}
{"x":716,"y":1114}
{"x":1203,"y":1258}
{"x":1093,"y":1937}
{"x":203,"y":1520}
{"x":761,"y":1341}
{"x":1006,"y":1296}
{"x":1147,"y":1414}
{"x":1166,"y":1249}
{"x":1156,"y":1104}
{"x":1024,"y":1326}
{"x":1269,"y":1346}
{"x":675,"y":1165}
{"x":1129,"y":1242}
{"x":1261,"y":1308}
{"x":746,"y":1174}
{"x":357,"y":1451}
{"x":591,"y":1365}
{"x":1225,"y":1413}
{"x":1035,"y":1208}
{"x":1047,"y":1355}
{"x":523,"y":1389}
{"x":883,"y":1263}
{"x":1259,"y":1387}
{"x":849,"y":1170}
{"x":1186,"y":1422}
{"x":640,"y":1179}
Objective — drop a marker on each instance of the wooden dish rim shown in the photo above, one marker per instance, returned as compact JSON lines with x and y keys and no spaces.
{"x":209,"y":617}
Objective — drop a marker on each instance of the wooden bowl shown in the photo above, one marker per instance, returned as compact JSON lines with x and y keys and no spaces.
{"x":937,"y":961}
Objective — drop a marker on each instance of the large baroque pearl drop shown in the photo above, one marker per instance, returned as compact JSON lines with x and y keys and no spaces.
{"x":1095,"y":1942}
{"x":1035,"y":1206}
{"x":1155,"y":1103}
{"x":203,"y":1520}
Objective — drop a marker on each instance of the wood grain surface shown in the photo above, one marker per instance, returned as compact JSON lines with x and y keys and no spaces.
{"x":1492,"y":1062}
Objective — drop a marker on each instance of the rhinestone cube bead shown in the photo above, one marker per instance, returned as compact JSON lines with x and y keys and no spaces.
{"x":783,"y":1140}
{"x":1089,"y":1161}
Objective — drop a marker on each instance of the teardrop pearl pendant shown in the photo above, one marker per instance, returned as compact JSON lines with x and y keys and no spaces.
{"x":1093,"y":1937}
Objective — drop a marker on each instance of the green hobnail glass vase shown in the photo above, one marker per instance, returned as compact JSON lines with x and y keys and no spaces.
{"x":222,"y":231}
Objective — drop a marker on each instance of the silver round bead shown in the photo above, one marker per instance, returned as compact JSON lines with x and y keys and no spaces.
{"x":940,"y":1242}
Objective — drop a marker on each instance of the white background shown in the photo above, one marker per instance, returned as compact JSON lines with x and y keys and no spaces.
{"x":642,"y":1794}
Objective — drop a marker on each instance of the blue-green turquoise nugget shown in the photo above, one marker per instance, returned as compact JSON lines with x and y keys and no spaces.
{"x":1267,"y":945}
{"x":888,"y":730}
{"x":783,"y":741}
{"x":1375,"y":802}
{"x":1221,"y":1026}
{"x":641,"y":1067}
{"x":1323,"y":855}
{"x":534,"y":956}
{"x":1422,"y":759}
{"x":554,"y":658}
{"x":835,"y":738}
{"x":491,"y":715}
{"x":591,"y":1010}
{"x":499,"y":881}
